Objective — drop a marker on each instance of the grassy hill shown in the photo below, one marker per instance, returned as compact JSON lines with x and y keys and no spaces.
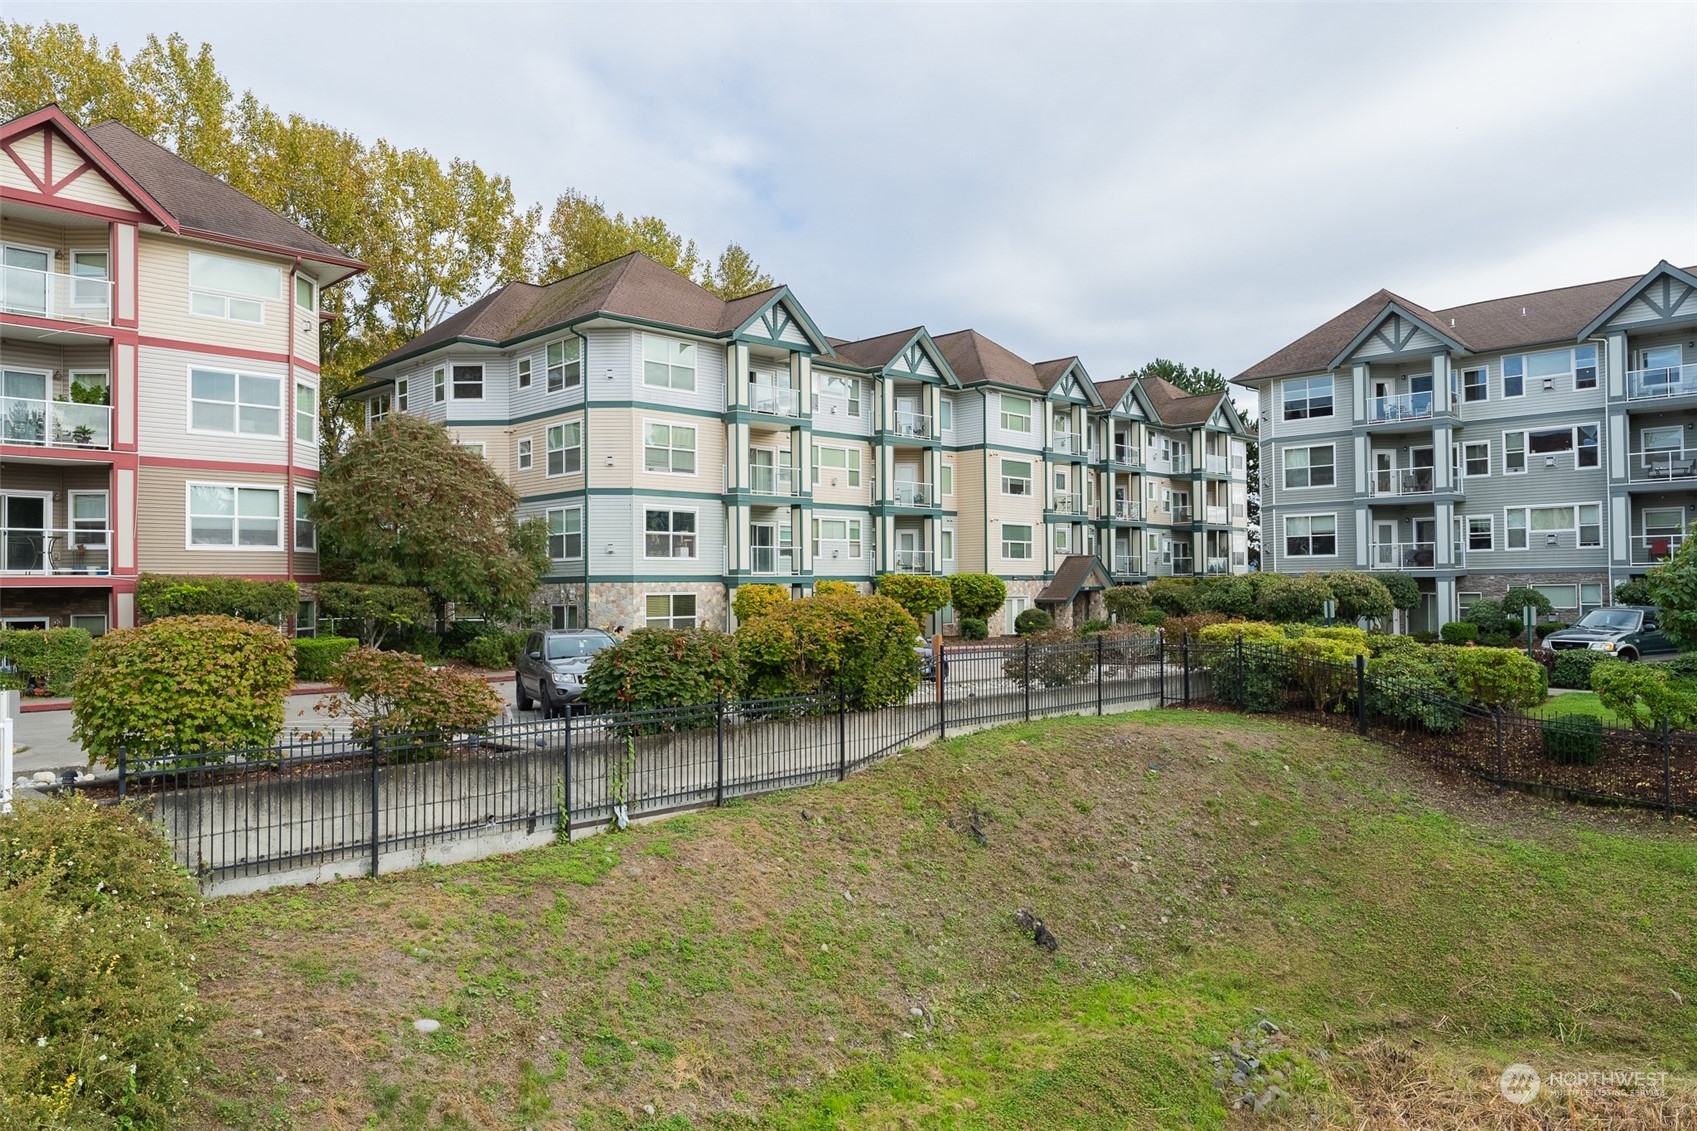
{"x":1378,"y":942}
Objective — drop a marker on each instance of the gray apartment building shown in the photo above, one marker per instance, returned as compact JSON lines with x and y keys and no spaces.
{"x":1545,"y":439}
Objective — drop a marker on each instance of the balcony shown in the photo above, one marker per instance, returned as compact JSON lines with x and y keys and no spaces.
{"x":55,"y":424}
{"x":1067,"y":443}
{"x":55,"y":553}
{"x":915,"y":495}
{"x":61,"y":298}
{"x":1128,"y":510}
{"x":1181,"y":513}
{"x":773,"y":400}
{"x":1650,"y":549}
{"x":1397,"y":410}
{"x":1214,"y":516}
{"x":1127,"y":457}
{"x":1215,"y":465}
{"x":1183,"y":564}
{"x":1127,"y":569}
{"x":912,"y":425}
{"x":1404,"y":555}
{"x":1660,"y":384}
{"x":1216,"y":567}
{"x":1407,"y":481}
{"x":913,"y":561}
{"x":1662,"y":465}
{"x":1068,"y":502}
{"x":769,"y":561}
{"x":778,"y":481}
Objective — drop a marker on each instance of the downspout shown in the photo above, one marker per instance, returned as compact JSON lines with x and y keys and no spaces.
{"x":291,"y":406}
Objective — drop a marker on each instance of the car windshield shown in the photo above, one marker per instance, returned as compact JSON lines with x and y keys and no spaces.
{"x":571,"y":647}
{"x":1610,"y":618}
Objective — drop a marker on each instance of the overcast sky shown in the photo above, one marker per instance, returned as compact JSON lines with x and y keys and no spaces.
{"x":1197,"y":182}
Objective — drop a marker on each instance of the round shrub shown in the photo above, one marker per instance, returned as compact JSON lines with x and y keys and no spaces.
{"x":1646,"y":694}
{"x":1459,"y":632}
{"x":1498,"y":677}
{"x":754,"y":601}
{"x":394,"y":692}
{"x":661,"y":667}
{"x":1517,"y":598}
{"x":1359,"y":596}
{"x":1548,"y":627}
{"x":1683,"y":665}
{"x":977,"y":595}
{"x":1634,"y":592}
{"x":187,"y":684}
{"x":1033,"y":620}
{"x":974,"y":628}
{"x":863,"y":645}
{"x":97,"y":1005}
{"x":1229,"y":596}
{"x":1574,"y":740}
{"x":1286,"y":599}
{"x":316,"y":657}
{"x":1177,"y":597}
{"x":1404,"y":590}
{"x":494,"y":650}
{"x":1488,"y":614}
{"x":1385,"y":644}
{"x":918,"y":593}
{"x":1126,"y":603}
{"x":830,"y":587}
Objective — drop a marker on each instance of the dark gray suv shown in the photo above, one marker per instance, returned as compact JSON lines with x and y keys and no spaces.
{"x":552,"y":668}
{"x":1628,"y":632}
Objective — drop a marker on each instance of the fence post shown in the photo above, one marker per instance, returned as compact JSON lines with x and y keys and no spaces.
{"x":1360,"y":693}
{"x":1667,"y":773}
{"x":842,"y":731}
{"x":1184,"y":658}
{"x":1160,"y":668}
{"x":1242,"y":695}
{"x":719,"y":752}
{"x":376,"y":745}
{"x":123,"y":784}
{"x":1027,"y":681}
{"x":1098,"y":673}
{"x":1497,"y":717}
{"x":566,"y":810}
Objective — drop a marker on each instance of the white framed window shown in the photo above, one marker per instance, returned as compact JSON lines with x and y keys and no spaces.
{"x":564,"y":449}
{"x":1475,"y":385}
{"x":1514,"y":453}
{"x":306,"y":292}
{"x":1562,"y":598}
{"x":837,"y":538}
{"x":1583,"y":440}
{"x":667,"y":362}
{"x":306,"y":531}
{"x":669,"y":534}
{"x":92,"y":623}
{"x":669,"y":610}
{"x":946,"y":413}
{"x":1480,"y":532}
{"x":1307,"y":398}
{"x":376,"y":408}
{"x":1063,"y":539}
{"x":946,"y":478}
{"x":477,"y":446}
{"x":1584,"y":370}
{"x":229,"y":516}
{"x":525,"y":460}
{"x":232,"y":289}
{"x":839,"y":386}
{"x":668,"y":449}
{"x":1533,"y":527}
{"x":468,"y":382}
{"x":1514,"y":377}
{"x":846,"y":460}
{"x":1310,"y":467}
{"x":236,"y":404}
{"x":1549,"y":368}
{"x":439,"y":386}
{"x":90,"y":278}
{"x":1016,"y":542}
{"x":89,"y":513}
{"x":565,"y":533}
{"x":1016,"y":477}
{"x":1016,"y":413}
{"x":401,"y":388}
{"x":565,"y":365}
{"x":1590,"y":596}
{"x":306,"y":414}
{"x":524,"y":372}
{"x":1476,"y":459}
{"x":1311,"y":536}
{"x":947,"y":537}
{"x":1590,"y":525}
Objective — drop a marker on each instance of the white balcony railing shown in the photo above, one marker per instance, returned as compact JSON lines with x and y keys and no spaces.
{"x":1066,"y":443}
{"x":1668,"y":381}
{"x":1409,"y":406}
{"x":79,"y":550}
{"x":1214,"y":465}
{"x":910,"y":423}
{"x":1404,"y":555}
{"x":774,"y":400}
{"x":771,"y":561}
{"x":1662,"y":465}
{"x":1068,"y":502}
{"x":772,"y":481}
{"x":1648,"y":549}
{"x":55,"y":424}
{"x":915,"y":495}
{"x":1406,"y":481}
{"x":913,"y":561}
{"x":1214,"y":516}
{"x":62,"y":298}
{"x":1183,"y":564}
{"x":1214,"y":566}
{"x":1181,"y":512}
{"x":1128,"y":510}
{"x":1128,"y":455}
{"x":1127,"y":566}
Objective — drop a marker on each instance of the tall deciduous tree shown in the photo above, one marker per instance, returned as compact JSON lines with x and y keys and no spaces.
{"x":581,"y":233}
{"x":736,"y":274}
{"x":403,"y":505}
{"x":1673,"y":588}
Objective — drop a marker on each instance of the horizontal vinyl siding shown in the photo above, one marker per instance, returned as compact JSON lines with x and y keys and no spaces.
{"x":60,"y":241}
{"x":497,"y":448}
{"x":536,"y":480}
{"x":163,"y":384}
{"x":1564,"y":398}
{"x":831,"y":488}
{"x":619,"y":433}
{"x":163,"y":310}
{"x":969,"y":507}
{"x":161,"y":503}
{"x":618,"y":521}
{"x":616,"y":372}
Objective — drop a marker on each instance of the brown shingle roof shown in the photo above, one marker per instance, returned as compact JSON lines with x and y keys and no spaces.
{"x":875,"y":353}
{"x":1483,"y":327}
{"x":204,"y":205}
{"x":1173,"y":405}
{"x":977,"y":360}
{"x":1112,"y":392}
{"x":1072,"y":575}
{"x":1049,"y":372}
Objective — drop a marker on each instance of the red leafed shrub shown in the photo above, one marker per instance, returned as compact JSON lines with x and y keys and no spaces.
{"x":398,"y":692}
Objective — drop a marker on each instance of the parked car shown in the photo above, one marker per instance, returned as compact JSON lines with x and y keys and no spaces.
{"x":922,"y":653}
{"x":552,"y":668}
{"x":1627,"y":631}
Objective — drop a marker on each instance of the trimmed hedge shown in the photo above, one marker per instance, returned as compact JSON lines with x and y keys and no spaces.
{"x":1459,"y":632}
{"x":161,"y":595}
{"x":974,"y":628}
{"x":1498,"y":677}
{"x":862,"y":644}
{"x":55,"y":655}
{"x":977,"y":595}
{"x":757,"y":600}
{"x":397,"y":692}
{"x":1415,"y":688}
{"x":1126,"y":602}
{"x":1033,"y":621}
{"x":830,"y":587}
{"x":662,"y":667}
{"x":918,"y":593}
{"x":316,"y":657}
{"x":1646,"y":694}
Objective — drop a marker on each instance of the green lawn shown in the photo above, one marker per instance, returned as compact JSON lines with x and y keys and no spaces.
{"x":1581,"y":703}
{"x":847,"y":956}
